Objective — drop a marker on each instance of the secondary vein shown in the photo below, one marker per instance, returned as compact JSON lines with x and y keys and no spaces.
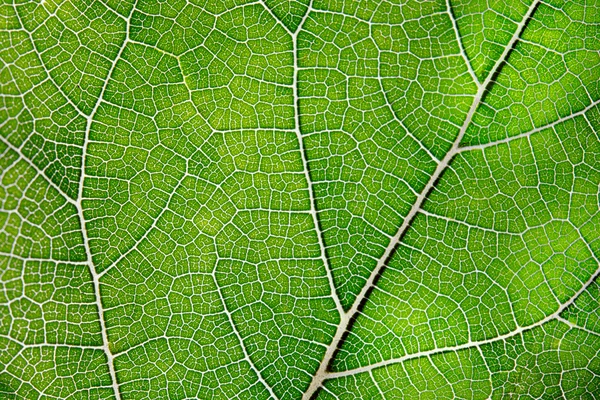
{"x":79,"y":206}
{"x":313,"y":205}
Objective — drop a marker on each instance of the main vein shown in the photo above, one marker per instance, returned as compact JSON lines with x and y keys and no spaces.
{"x":519,"y":330}
{"x":79,"y":206}
{"x":346,"y":322}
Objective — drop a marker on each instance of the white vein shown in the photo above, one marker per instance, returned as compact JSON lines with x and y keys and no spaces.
{"x":79,"y":205}
{"x":554,"y":316}
{"x":67,"y":198}
{"x":242,"y":345}
{"x":530,"y":132}
{"x":322,"y":373}
{"x":463,"y":53}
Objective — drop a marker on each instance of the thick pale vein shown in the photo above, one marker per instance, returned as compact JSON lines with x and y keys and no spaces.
{"x":151,"y":227}
{"x":320,"y":259}
{"x":322,"y":374}
{"x":79,"y":205}
{"x":554,"y":316}
{"x":277,"y":20}
{"x":575,"y":326}
{"x":33,"y":259}
{"x":402,"y":124}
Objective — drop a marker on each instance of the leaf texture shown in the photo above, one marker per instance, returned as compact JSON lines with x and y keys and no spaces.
{"x":295,"y":199}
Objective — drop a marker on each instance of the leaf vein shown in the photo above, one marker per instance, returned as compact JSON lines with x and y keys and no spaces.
{"x":350,"y":316}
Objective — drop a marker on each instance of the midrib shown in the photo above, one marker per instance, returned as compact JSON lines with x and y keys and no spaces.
{"x":349,"y":317}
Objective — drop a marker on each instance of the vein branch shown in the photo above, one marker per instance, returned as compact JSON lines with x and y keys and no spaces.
{"x":573,"y":325}
{"x":554,"y":316}
{"x":463,"y":53}
{"x":311,"y":194}
{"x":530,"y":132}
{"x":350,"y":316}
{"x":277,"y":20}
{"x":242,"y":345}
{"x":150,"y":229}
{"x":38,"y":170}
{"x":79,"y":205}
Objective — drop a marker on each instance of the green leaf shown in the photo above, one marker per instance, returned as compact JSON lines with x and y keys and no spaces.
{"x":296,"y":199}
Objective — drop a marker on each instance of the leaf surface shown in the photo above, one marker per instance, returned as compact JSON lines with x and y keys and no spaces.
{"x":299,"y":199}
